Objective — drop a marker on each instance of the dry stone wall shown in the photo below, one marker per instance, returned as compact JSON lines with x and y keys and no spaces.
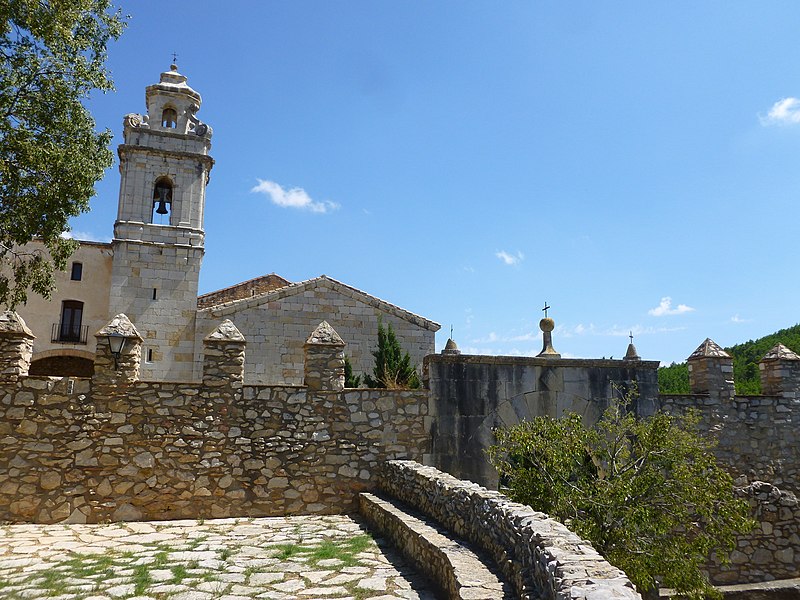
{"x":171,"y":450}
{"x":772,"y":550}
{"x":758,"y":436}
{"x":538,"y":555}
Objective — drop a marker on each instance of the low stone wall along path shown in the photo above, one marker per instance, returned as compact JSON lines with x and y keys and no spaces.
{"x":277,"y":558}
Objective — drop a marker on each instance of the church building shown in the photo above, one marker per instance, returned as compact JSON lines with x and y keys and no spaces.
{"x":150,"y":272}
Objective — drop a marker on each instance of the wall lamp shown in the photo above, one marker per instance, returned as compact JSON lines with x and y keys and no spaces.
{"x":116,"y":343}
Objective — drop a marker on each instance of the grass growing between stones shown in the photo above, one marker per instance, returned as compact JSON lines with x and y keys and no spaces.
{"x":344,"y":551}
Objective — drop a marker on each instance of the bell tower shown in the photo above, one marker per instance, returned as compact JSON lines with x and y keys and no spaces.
{"x":158,"y":240}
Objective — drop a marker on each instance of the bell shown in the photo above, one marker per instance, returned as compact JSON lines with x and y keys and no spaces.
{"x":162,"y":202}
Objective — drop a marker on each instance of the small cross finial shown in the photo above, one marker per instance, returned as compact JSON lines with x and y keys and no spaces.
{"x":630,"y":335}
{"x":451,"y":332}
{"x":174,"y":58}
{"x":545,"y":309}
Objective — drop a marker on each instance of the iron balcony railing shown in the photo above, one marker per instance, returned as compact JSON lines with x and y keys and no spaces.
{"x":68,"y":333}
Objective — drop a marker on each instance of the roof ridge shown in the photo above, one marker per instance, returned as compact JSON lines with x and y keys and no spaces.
{"x":232,"y":305}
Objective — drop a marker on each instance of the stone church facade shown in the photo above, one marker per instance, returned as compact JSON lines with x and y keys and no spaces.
{"x":150,"y":272}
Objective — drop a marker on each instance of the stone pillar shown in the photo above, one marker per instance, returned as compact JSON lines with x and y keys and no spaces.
{"x":107,"y":371}
{"x":711,"y":371}
{"x":223,"y":356}
{"x":16,"y":346}
{"x":780,"y":372}
{"x":324,"y":360}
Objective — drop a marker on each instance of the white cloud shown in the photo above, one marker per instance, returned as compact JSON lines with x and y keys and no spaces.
{"x":737,"y":319}
{"x":292,"y":198}
{"x":665,"y":308}
{"x":510,"y":259}
{"x":84,"y":236}
{"x":785,"y":111}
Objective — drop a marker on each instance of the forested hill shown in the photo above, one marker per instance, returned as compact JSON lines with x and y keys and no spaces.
{"x":674,"y":379}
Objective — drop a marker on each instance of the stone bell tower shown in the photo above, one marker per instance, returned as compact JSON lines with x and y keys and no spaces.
{"x":158,"y":235}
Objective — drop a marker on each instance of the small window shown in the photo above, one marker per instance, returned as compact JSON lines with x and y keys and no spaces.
{"x":149,"y":355}
{"x":169,"y":118}
{"x":77,"y":271}
{"x":155,"y":293}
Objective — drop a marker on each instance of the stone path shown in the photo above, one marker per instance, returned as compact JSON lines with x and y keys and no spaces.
{"x":226,"y":559}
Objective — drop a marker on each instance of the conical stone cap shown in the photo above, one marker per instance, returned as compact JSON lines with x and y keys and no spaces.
{"x":325,"y":335}
{"x":780,"y":352}
{"x":12,"y":325}
{"x":226,"y":332}
{"x":120,"y":325}
{"x":709,"y":349}
{"x":631,"y":354}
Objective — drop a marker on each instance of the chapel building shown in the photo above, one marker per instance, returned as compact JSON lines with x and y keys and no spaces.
{"x":151,"y":268}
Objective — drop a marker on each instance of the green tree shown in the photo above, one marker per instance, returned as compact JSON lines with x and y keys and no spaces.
{"x":392,"y":368}
{"x":53,"y":56}
{"x":648,"y":493}
{"x":350,"y":380}
{"x":674,"y":379}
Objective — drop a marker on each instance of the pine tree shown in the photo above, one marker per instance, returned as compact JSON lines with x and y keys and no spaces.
{"x":350,"y":380}
{"x":393,"y":368}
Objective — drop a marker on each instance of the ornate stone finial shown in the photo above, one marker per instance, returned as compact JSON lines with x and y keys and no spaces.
{"x":450,"y":348}
{"x":547,"y":325}
{"x":631,"y":354}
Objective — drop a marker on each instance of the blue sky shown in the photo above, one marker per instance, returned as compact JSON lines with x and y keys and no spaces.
{"x":633,"y":164}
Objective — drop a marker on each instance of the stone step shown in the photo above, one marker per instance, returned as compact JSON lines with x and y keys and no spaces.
{"x":451,"y":565}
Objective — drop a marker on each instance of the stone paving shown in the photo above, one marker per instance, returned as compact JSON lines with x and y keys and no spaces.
{"x":227,"y":559}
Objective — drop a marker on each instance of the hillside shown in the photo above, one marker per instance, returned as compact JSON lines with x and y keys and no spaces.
{"x":674,"y":379}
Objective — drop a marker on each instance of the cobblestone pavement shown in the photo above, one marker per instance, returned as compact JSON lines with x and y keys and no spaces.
{"x":227,"y":559}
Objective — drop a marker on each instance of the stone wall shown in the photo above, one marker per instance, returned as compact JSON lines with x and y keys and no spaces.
{"x":276,"y":326}
{"x":173,"y":451}
{"x":115,"y":448}
{"x":472,"y":395}
{"x":772,"y":550}
{"x":539,"y":556}
{"x":758,"y":436}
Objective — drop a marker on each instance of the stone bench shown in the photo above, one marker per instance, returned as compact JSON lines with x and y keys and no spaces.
{"x":450,"y":565}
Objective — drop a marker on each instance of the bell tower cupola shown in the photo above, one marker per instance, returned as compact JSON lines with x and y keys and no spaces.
{"x":159,"y":239}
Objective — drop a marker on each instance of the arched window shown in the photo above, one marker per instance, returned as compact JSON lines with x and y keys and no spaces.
{"x":162,"y":199}
{"x":169,"y":118}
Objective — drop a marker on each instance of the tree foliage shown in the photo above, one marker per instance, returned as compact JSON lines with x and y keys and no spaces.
{"x":393,"y":368}
{"x":351,"y":380}
{"x":647,"y":492}
{"x":53,"y":55}
{"x":674,"y":379}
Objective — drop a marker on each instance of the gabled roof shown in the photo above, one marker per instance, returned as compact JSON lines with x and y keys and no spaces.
{"x":233,"y":306}
{"x":245,"y":289}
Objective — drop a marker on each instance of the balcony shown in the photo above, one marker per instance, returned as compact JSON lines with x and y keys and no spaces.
{"x":69,"y":333}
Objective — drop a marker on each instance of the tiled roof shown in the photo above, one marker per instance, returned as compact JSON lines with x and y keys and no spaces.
{"x":245,"y":289}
